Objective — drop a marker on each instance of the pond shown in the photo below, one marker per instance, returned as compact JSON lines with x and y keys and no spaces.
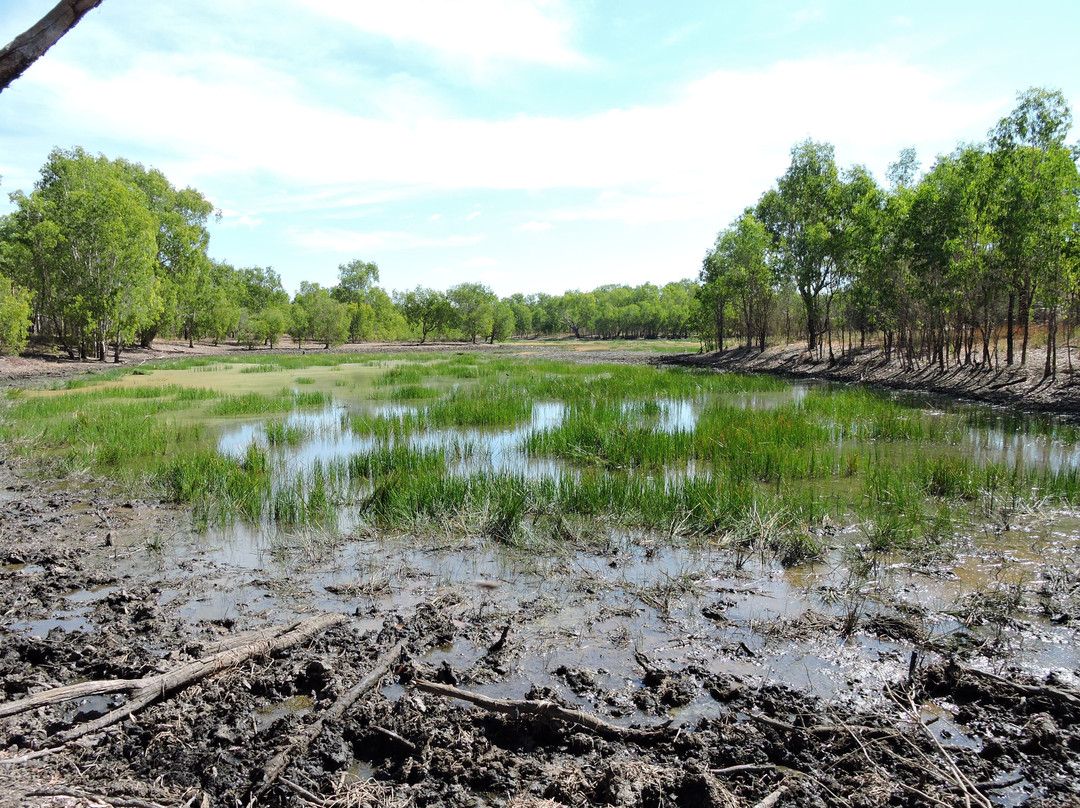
{"x":811,"y":535}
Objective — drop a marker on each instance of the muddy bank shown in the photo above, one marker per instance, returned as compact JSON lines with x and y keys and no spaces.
{"x":1012,"y":386}
{"x":714,"y":679}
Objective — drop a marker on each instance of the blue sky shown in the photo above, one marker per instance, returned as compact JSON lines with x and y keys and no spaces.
{"x":532,"y":145}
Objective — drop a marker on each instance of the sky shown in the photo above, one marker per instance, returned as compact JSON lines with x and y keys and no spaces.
{"x":530,"y":145}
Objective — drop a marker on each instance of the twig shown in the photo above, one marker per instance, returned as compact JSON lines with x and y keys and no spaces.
{"x":746,"y":767}
{"x":389,"y":733}
{"x":966,"y":787}
{"x":11,"y":761}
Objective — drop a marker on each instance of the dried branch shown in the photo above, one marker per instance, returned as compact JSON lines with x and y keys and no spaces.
{"x":30,"y":45}
{"x":546,"y":709}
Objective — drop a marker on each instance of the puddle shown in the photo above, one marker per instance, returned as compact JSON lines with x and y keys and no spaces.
{"x":40,"y":628}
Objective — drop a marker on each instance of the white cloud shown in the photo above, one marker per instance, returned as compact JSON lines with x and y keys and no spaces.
{"x":473,"y":215}
{"x":434,"y":217}
{"x":233,"y":218}
{"x":481,"y":261}
{"x":331,"y":240}
{"x":534,"y":227}
{"x":474,"y":30}
{"x":714,"y":146}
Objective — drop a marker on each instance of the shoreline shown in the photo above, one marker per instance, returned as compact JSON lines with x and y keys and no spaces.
{"x":1020,"y":387}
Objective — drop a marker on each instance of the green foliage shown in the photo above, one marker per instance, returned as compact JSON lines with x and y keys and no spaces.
{"x":14,"y":317}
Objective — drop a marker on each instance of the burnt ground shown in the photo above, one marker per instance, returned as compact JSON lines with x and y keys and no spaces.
{"x":757,"y":743}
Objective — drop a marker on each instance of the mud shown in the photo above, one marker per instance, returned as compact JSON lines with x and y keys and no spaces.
{"x":1022,"y":386}
{"x":700,"y":647}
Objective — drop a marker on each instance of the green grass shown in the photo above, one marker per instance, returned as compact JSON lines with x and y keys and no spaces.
{"x":766,"y":481}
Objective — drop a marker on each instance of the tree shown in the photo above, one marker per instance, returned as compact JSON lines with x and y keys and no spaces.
{"x":260,"y":288}
{"x":14,"y":317}
{"x":87,"y":242}
{"x":428,"y":310}
{"x":327,"y":319}
{"x":502,"y":322}
{"x":800,"y":215}
{"x":473,"y":308}
{"x":182,"y":266}
{"x":355,"y":280}
{"x":30,"y":45}
{"x":1037,"y":186}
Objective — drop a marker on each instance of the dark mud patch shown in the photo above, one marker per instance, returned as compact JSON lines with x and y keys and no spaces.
{"x":1011,"y":385}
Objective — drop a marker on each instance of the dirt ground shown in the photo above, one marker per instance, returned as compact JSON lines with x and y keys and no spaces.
{"x":1015,"y":385}
{"x":758,"y":743}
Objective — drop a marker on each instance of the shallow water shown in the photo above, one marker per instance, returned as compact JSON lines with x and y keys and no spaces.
{"x":592,"y":607}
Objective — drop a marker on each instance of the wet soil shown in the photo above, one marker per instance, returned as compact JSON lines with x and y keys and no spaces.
{"x":84,"y":595}
{"x":1016,"y":385}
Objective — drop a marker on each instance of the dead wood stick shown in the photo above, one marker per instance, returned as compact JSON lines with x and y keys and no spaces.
{"x":545,"y":708}
{"x":1047,"y":691}
{"x":157,"y":687}
{"x":11,"y":761}
{"x":118,"y":802}
{"x":389,"y":733}
{"x":81,"y":690}
{"x":299,"y":746}
{"x":58,"y":695}
{"x":237,"y":640}
{"x":772,"y":798}
{"x":745,"y":768}
{"x":825,"y":729}
{"x":302,"y":792}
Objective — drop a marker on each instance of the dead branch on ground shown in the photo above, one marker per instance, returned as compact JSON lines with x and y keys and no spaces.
{"x":545,"y":709}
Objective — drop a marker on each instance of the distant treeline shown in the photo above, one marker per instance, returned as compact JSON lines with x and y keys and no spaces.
{"x":939,"y":269}
{"x":107,"y":253}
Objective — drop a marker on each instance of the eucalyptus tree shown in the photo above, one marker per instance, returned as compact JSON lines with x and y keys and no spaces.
{"x":87,"y":245}
{"x":14,"y":317}
{"x":502,"y":321}
{"x":1037,"y":186}
{"x":182,"y":265}
{"x":473,"y":307}
{"x":355,"y":281}
{"x":736,"y":273}
{"x":801,"y":216}
{"x":856,"y":247}
{"x":428,"y":310}
{"x":523,"y":314}
{"x":713,"y":298}
{"x":327,"y":319}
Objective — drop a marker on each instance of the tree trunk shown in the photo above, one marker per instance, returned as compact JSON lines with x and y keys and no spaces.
{"x":1009,"y":323}
{"x":30,"y":45}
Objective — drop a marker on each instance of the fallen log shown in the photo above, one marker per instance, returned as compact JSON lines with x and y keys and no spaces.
{"x":545,"y":709}
{"x":300,"y":745}
{"x":146,"y":691}
{"x":1048,"y":692}
{"x":231,"y":652}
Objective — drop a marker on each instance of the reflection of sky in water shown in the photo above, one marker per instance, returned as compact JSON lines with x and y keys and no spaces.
{"x":327,"y":437}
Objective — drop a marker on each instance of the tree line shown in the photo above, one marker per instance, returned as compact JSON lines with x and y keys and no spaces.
{"x":104,"y":254}
{"x":951,"y":267}
{"x":937,"y":269}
